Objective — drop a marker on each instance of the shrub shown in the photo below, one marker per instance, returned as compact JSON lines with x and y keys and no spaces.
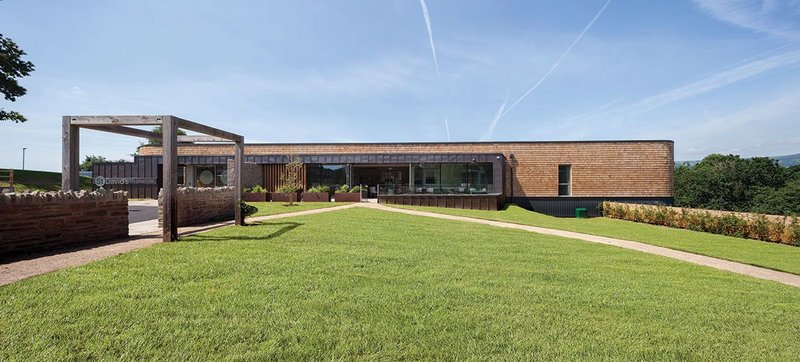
{"x":356,"y":189}
{"x":320,"y":188}
{"x":342,"y":189}
{"x":247,"y":209}
{"x":255,"y":189}
{"x":794,"y":232}
{"x":758,"y":227}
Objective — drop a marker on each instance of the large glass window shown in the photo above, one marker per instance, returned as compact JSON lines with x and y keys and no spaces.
{"x":453,"y":178}
{"x":564,"y":180}
{"x":326,"y":175}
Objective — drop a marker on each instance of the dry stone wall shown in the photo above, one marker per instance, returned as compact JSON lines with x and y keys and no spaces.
{"x":201,"y":205}
{"x":38,"y":221}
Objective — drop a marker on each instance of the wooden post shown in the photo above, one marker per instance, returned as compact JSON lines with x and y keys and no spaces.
{"x":238,"y":167}
{"x":170,"y":180}
{"x":70,"y":153}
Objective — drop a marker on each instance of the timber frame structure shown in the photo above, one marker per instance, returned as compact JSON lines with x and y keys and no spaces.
{"x":70,"y":157}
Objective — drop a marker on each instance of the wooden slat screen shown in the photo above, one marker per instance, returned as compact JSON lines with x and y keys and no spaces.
{"x":272,"y":176}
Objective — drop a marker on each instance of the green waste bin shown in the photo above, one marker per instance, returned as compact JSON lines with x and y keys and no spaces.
{"x":580,"y":212}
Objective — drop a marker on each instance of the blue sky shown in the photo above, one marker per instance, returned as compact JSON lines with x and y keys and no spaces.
{"x":714,"y":76}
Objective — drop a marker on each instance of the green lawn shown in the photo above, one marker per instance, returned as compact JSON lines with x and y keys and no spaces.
{"x":43,"y":181}
{"x":274,"y":208}
{"x":755,"y":252}
{"x":368,"y":284}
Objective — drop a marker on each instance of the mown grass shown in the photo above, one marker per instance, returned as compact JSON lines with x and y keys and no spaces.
{"x":274,"y":208}
{"x":367,"y":284}
{"x":754,"y":252}
{"x":27,"y":180}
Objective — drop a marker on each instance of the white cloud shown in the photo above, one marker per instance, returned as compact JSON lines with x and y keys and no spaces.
{"x":773,"y":17}
{"x":706,"y":84}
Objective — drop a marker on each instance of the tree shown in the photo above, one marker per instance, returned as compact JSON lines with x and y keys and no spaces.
{"x":290,"y":180}
{"x":155,"y":141}
{"x":726,"y":182}
{"x":12,"y":67}
{"x":90,"y":160}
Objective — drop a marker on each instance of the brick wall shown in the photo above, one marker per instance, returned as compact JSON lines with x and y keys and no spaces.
{"x":45,"y":220}
{"x":599,"y":168}
{"x":252,"y":175}
{"x":201,"y":205}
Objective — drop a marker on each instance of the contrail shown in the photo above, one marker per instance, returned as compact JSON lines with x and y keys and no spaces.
{"x":430,"y":33}
{"x":490,"y":131}
{"x":447,"y":127}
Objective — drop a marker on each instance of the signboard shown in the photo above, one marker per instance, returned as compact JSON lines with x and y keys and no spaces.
{"x":101,"y":181}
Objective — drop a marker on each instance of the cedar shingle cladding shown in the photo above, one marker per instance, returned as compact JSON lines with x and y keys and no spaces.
{"x":599,"y":168}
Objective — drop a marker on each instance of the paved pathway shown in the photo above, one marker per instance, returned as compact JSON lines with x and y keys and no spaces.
{"x":745,"y":269}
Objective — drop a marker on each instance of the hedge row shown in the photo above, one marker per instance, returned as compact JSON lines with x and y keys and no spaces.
{"x":760,"y":227}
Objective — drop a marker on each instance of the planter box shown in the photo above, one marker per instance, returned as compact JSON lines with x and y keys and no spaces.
{"x":347,"y":197}
{"x":285,"y":196}
{"x":255,"y":196}
{"x":316,"y":197}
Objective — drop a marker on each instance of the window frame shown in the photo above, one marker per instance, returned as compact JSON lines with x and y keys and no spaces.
{"x":568,"y":184}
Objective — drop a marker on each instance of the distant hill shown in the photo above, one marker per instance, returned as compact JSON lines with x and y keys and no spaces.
{"x":785,"y":161}
{"x":43,"y":181}
{"x":788,"y":160}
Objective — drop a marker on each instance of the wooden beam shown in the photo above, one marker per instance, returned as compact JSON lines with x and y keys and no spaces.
{"x":239,"y":169}
{"x":117,"y":120}
{"x":70,"y":152}
{"x":211,"y":131}
{"x":185,"y":139}
{"x":169,"y":189}
{"x":128,"y":131}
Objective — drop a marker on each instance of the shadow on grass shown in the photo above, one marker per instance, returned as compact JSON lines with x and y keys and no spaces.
{"x":286,"y":227}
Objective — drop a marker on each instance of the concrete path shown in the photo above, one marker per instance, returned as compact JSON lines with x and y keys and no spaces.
{"x":142,"y":210}
{"x":745,"y":269}
{"x":143,"y":234}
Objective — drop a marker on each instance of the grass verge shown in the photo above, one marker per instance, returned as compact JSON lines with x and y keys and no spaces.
{"x":754,"y":252}
{"x":274,"y":208}
{"x":27,"y":180}
{"x":367,"y":284}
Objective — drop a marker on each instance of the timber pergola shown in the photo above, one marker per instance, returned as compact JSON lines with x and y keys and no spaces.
{"x":71,"y":126}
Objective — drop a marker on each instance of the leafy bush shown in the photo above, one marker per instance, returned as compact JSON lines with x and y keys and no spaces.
{"x":343,"y":189}
{"x":255,"y":189}
{"x":247,"y":209}
{"x":355,"y":189}
{"x":320,"y":188}
{"x":758,"y":227}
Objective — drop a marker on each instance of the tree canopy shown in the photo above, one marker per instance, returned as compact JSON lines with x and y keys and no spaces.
{"x":12,"y":67}
{"x":729,"y":182}
{"x":90,"y":160}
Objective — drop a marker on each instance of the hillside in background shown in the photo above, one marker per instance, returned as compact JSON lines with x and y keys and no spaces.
{"x":788,"y":160}
{"x":43,"y":181}
{"x":785,"y":161}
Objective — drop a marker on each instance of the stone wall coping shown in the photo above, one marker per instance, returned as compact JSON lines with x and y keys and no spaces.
{"x":53,"y":197}
{"x":200,"y":190}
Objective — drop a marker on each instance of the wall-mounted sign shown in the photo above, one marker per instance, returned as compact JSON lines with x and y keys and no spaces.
{"x":101,"y":181}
